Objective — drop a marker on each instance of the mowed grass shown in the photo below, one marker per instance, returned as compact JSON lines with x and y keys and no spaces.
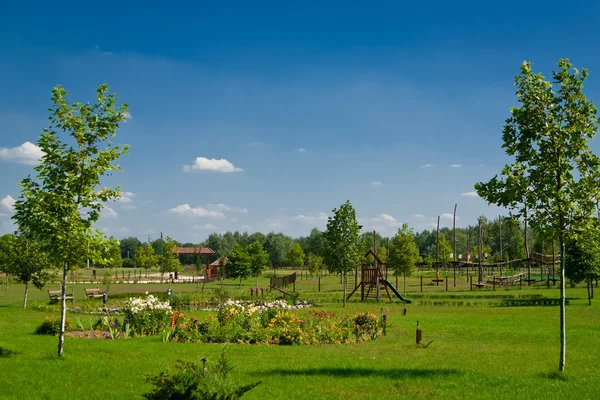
{"x":479,"y":351}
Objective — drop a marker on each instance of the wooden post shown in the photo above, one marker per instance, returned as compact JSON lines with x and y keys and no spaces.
{"x":471,"y":283}
{"x":319,"y":283}
{"x":421,"y":283}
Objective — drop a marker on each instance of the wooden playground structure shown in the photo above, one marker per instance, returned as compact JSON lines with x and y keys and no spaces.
{"x":373,"y":280}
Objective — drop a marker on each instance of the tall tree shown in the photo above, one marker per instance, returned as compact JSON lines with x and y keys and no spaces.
{"x":259,"y":259}
{"x":239,"y":263}
{"x":583,"y":256}
{"x":404,"y":253}
{"x":111,"y":255}
{"x":129,"y":247}
{"x":315,"y":264}
{"x":59,"y":207}
{"x":555,"y":176}
{"x":169,"y":260}
{"x":342,"y":234}
{"x":295,"y":256}
{"x":24,"y":260}
{"x":145,"y":257}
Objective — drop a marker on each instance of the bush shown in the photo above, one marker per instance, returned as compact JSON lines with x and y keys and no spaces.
{"x":128,"y":263}
{"x":50,"y":327}
{"x":366,"y":324}
{"x":147,"y":316}
{"x":196,"y":382}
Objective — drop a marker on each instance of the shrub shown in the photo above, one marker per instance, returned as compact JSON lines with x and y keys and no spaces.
{"x":196,"y":382}
{"x":50,"y":327}
{"x":366,"y":324}
{"x":45,"y":307}
{"x":147,"y":316}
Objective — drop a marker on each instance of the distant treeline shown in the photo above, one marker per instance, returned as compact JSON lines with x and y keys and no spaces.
{"x":279,"y":245}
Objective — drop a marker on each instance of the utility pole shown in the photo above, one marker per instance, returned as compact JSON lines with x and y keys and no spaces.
{"x":454,"y":229}
{"x":480,"y":250}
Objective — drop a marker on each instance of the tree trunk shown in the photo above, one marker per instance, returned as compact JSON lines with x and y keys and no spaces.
{"x":344,"y":289}
{"x":27,"y":291}
{"x":589,"y":283}
{"x":63,"y":311}
{"x":257,"y":281}
{"x":563,"y":338}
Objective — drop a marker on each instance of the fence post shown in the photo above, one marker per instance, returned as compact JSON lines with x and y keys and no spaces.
{"x":471,"y":283}
{"x":421,"y":283}
{"x":319,"y":283}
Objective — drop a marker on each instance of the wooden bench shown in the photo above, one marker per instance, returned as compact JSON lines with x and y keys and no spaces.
{"x":55,"y":296}
{"x":93,"y":293}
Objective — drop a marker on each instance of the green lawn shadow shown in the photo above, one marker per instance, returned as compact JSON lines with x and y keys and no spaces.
{"x":393,"y":373}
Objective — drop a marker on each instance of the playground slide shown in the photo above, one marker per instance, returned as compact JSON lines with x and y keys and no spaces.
{"x":396,"y":292}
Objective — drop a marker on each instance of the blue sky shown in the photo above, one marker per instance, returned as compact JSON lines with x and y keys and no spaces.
{"x":396,"y":107}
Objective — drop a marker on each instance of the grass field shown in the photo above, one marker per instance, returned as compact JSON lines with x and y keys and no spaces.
{"x":480,"y":349}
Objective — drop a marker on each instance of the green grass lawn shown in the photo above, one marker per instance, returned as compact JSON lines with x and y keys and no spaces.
{"x":478,"y":351}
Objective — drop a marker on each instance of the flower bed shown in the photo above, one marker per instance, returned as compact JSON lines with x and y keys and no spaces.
{"x":249,"y":322}
{"x":245,"y":324}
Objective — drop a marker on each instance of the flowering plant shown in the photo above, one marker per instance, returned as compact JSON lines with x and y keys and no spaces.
{"x":147,"y":316}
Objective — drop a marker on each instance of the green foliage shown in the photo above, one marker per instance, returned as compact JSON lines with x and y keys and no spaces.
{"x":583,"y":256}
{"x":59,"y":206}
{"x":315,"y":264}
{"x":555,"y":177}
{"x":129,"y":246}
{"x":554,"y":180}
{"x":239,"y":263}
{"x":169,"y":262}
{"x":25,"y":260}
{"x":193,"y":381}
{"x":259,"y":258}
{"x":145,"y":257}
{"x":128,"y":263}
{"x":404,"y":254}
{"x":341,"y":236}
{"x":295,"y":256}
{"x":111,"y":255}
{"x":51,"y":327}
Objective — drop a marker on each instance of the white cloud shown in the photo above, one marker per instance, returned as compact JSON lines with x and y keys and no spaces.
{"x":8,"y":203}
{"x":274,"y":223}
{"x":213,"y":165}
{"x":311,"y":218}
{"x":27,"y":153}
{"x":448,"y":216}
{"x":455,"y":165}
{"x":108,"y":212}
{"x":300,"y":150}
{"x":186,"y":209}
{"x":387,"y":218}
{"x":112,"y":231}
{"x":470,"y":194}
{"x":126,"y":198}
{"x":225,"y":208}
{"x":128,"y":207}
{"x":376,"y":183}
{"x":205,"y":226}
{"x":427,"y":166}
{"x":233,"y":219}
{"x":420,"y":216}
{"x":247,"y":227}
